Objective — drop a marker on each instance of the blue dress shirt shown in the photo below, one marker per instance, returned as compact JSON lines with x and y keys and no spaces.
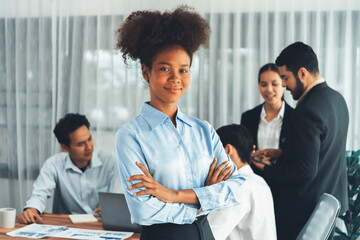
{"x":178,"y":158}
{"x":76,"y":192}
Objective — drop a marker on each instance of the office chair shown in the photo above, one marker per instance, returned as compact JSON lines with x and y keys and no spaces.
{"x":322,"y":220}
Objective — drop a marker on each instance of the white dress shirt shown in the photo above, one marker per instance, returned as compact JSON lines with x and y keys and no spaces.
{"x":253,"y":218}
{"x":268,"y":135}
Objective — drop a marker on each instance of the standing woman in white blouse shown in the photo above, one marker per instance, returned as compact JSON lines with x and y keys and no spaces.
{"x":269,"y":122}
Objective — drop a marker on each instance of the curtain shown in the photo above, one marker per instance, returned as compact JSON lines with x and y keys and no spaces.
{"x":58,"y":56}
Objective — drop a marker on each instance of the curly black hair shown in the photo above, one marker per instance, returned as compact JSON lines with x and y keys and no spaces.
{"x":144,"y":33}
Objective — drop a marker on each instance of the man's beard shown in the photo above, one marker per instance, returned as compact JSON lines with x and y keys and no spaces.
{"x":299,"y":88}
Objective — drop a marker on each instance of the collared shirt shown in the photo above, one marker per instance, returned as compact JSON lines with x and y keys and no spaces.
{"x":318,"y":81}
{"x":269,"y":132}
{"x":253,"y":218}
{"x":176,"y":157}
{"x":78,"y":191}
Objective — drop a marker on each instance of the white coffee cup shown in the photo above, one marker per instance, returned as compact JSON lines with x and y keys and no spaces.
{"x":7,"y":217}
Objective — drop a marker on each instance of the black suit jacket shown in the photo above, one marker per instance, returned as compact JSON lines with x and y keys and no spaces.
{"x":314,"y":159}
{"x":251,"y":120}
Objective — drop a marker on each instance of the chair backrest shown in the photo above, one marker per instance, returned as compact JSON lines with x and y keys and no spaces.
{"x":58,"y":206}
{"x":322,"y":220}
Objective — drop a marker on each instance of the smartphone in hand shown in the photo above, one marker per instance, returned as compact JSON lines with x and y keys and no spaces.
{"x":262,"y":159}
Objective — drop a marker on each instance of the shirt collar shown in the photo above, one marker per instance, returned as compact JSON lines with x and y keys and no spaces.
{"x":245,"y":170}
{"x":155,"y":117}
{"x":282,"y":110}
{"x":280,"y":114}
{"x":183,"y":117}
{"x":95,"y":162}
{"x":318,"y":81}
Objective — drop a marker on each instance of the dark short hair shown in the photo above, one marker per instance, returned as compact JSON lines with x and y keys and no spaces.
{"x":238,"y":136}
{"x":268,"y":67}
{"x":296,"y":56}
{"x":145,"y":33}
{"x":67,"y":125}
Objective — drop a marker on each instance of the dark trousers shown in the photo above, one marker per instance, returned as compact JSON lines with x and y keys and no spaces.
{"x":198,"y":230}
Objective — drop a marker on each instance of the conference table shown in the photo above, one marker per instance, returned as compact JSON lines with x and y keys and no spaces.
{"x":60,"y":220}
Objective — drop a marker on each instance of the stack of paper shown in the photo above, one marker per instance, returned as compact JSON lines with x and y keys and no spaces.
{"x":82,"y":218}
{"x":39,"y":231}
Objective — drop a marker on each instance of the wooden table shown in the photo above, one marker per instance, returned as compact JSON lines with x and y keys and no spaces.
{"x":62,"y":220}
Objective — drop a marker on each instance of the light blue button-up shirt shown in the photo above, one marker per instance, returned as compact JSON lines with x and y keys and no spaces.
{"x":76,"y":192}
{"x":178,"y":158}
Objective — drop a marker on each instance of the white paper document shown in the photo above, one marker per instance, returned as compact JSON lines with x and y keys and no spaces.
{"x":82,"y":218}
{"x":36,"y":231}
{"x":40,"y":231}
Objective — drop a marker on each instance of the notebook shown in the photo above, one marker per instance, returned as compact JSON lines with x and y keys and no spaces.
{"x":82,"y":218}
{"x":115,"y":213}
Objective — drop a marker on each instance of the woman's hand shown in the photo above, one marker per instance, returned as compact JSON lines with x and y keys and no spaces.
{"x":152,"y":187}
{"x":215,"y":175}
{"x":260,"y":163}
{"x":262,"y":157}
{"x":269,"y":153}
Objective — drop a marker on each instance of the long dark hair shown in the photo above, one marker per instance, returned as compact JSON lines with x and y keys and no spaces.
{"x":269,"y":67}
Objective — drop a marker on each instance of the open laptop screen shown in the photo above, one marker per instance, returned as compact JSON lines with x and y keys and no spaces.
{"x":115,"y":213}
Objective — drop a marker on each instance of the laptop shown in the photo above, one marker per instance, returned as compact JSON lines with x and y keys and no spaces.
{"x":115,"y":213}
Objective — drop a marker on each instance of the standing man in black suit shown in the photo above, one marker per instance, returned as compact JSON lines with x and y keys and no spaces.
{"x":314,"y":159}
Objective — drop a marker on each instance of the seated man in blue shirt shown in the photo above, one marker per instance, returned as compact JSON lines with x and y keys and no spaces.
{"x":75,"y":176}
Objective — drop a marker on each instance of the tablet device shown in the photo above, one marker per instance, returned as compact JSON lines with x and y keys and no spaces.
{"x":259,"y":160}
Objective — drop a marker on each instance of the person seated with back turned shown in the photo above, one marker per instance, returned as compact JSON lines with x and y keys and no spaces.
{"x":75,"y":175}
{"x":254,"y":217}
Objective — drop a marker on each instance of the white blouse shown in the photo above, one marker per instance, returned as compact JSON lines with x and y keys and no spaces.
{"x":268,"y":135}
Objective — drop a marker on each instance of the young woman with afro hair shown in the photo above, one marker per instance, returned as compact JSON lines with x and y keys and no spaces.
{"x":173,"y":166}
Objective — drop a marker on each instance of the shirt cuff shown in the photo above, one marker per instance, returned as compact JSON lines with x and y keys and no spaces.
{"x":32,"y":204}
{"x":187,"y":218}
{"x":205,"y":198}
